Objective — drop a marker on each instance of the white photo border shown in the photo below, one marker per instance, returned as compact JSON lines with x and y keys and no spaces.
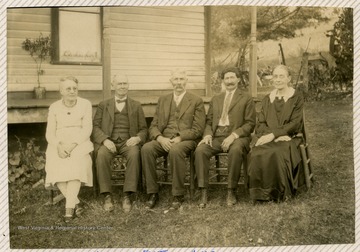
{"x":4,"y":206}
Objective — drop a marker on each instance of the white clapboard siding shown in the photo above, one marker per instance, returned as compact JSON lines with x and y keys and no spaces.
{"x":22,"y":34}
{"x":158,"y":72}
{"x":194,"y":12}
{"x":157,"y":19}
{"x":158,"y":79}
{"x":24,"y":17}
{"x":29,"y":26}
{"x":154,"y":33}
{"x":156,"y":55}
{"x":158,"y":39}
{"x":162,"y":86}
{"x":156,"y":26}
{"x":153,"y":62}
{"x":146,"y":44}
{"x":54,"y":86}
{"x":52,"y":72}
{"x":156,"y":48}
{"x":154,"y":69}
{"x":29,"y":23}
{"x":30,"y":11}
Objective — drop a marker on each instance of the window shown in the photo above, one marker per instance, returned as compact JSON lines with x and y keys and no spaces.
{"x":76,"y":35}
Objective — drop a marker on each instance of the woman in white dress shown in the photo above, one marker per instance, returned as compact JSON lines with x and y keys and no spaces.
{"x":68,"y":161}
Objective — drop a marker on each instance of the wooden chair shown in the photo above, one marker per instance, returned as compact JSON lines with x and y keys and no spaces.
{"x":118,"y":168}
{"x":219,"y":171}
{"x":164,"y":173}
{"x":55,"y":199}
{"x":305,"y":156}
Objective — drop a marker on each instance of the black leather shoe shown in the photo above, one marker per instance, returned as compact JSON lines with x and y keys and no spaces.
{"x":79,"y":209}
{"x":231,"y":198}
{"x":203,"y":200}
{"x":69,"y":215}
{"x":177,"y":201}
{"x":154,"y":197}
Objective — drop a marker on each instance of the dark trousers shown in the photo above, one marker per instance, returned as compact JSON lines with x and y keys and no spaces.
{"x":204,"y":152}
{"x":177,"y":164}
{"x":133,"y":166}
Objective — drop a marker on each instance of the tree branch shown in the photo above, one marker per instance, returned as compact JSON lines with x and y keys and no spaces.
{"x":285,"y":16}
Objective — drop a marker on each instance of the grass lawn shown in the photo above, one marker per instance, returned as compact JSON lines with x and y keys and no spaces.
{"x":323,"y":215}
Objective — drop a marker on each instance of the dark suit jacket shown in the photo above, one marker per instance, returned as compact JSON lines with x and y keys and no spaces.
{"x":191,"y":120}
{"x":103,"y":122}
{"x":242,"y":114}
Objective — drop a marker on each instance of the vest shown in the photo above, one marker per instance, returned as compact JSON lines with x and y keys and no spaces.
{"x":121,"y":125}
{"x":172,"y":128}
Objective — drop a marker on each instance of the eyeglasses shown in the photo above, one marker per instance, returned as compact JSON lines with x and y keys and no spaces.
{"x":279,"y":76}
{"x":71,"y":89}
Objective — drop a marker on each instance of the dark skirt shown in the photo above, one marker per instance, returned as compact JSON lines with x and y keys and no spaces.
{"x":274,"y":170}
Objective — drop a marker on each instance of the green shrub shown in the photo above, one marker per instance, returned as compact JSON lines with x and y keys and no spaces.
{"x":26,"y":165}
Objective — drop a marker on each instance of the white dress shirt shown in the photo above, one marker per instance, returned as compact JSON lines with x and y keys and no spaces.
{"x":120,"y":105}
{"x":227,"y":123}
{"x":178,"y":98}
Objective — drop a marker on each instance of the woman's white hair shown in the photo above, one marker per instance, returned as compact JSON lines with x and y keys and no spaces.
{"x":72,"y":78}
{"x":283,"y":67}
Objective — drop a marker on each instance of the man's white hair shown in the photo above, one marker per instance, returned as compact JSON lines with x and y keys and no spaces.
{"x":178,"y":70}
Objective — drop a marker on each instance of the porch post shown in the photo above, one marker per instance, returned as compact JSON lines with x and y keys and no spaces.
{"x":208,"y":90}
{"x":106,"y":54}
{"x":253,"y":55}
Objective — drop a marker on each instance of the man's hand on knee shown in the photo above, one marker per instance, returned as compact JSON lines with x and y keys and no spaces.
{"x":175,"y":140}
{"x":133,"y":141}
{"x":225,"y":145}
{"x":164,"y":142}
{"x":206,"y":140}
{"x":110,"y":145}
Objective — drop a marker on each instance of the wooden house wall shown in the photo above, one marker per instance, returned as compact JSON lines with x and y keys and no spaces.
{"x":146,"y":44}
{"x":29,"y":23}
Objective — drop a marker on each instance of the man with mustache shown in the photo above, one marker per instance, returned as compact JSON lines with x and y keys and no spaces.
{"x":177,"y":125}
{"x":229,"y":123}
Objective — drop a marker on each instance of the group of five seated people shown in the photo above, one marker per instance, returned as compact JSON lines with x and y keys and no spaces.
{"x":179,"y":127}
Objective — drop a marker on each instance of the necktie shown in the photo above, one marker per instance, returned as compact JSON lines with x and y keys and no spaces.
{"x":120,"y":104}
{"x":176,"y":99}
{"x":225,"y":108}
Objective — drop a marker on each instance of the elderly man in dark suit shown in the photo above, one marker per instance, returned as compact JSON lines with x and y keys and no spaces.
{"x":119,"y":126}
{"x":178,"y":123}
{"x":229,"y":123}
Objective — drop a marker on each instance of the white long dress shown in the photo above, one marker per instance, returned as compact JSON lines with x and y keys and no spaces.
{"x":69,"y":125}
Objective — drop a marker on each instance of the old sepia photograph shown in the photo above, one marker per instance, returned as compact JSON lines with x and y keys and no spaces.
{"x":202,"y":127}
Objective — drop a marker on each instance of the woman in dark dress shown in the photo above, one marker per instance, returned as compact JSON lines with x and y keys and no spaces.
{"x":275,"y":159}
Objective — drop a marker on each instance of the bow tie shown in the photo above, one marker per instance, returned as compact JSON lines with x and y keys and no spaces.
{"x":120,"y":101}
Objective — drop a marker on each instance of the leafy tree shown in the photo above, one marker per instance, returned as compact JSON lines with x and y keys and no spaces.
{"x":39,"y":50}
{"x":231,"y":25}
{"x":342,"y":47}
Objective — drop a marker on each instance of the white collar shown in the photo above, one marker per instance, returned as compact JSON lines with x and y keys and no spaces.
{"x":179,"y":97}
{"x":123,"y":99}
{"x":230,"y":92}
{"x":290,"y":92}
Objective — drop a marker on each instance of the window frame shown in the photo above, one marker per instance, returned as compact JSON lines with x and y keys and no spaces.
{"x":55,"y":39}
